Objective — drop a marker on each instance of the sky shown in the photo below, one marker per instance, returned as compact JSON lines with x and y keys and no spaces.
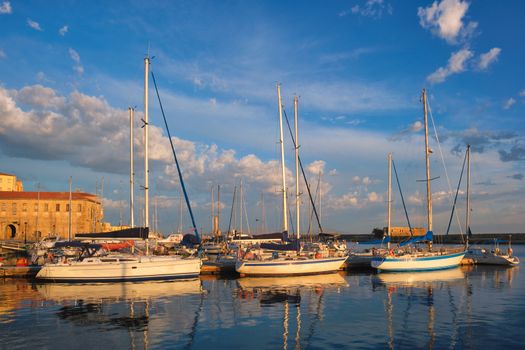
{"x":69,"y":71}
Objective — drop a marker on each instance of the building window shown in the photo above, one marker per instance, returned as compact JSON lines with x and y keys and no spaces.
{"x":3,"y":207}
{"x":36,"y":207}
{"x":57,"y":208}
{"x":79,"y":207}
{"x":24,"y":206}
{"x":14,"y":208}
{"x":46,"y":207}
{"x":67,"y":207}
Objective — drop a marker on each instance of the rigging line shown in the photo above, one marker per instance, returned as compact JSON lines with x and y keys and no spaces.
{"x":304,"y":175}
{"x":402,"y":200}
{"x":444,"y":166}
{"x":457,"y":191}
{"x":243,"y":199}
{"x":176,"y":162}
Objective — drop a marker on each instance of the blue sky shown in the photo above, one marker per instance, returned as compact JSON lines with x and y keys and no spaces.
{"x":71,"y":69}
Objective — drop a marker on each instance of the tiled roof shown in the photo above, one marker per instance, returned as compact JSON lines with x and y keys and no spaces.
{"x":48,"y":196}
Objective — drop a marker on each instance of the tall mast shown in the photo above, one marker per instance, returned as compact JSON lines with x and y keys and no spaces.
{"x":212,"y":212}
{"x":281,"y":140}
{"x":218,"y":210}
{"x":297,"y":194}
{"x":468,"y":192}
{"x":427,"y":158}
{"x":70,"y":226}
{"x":389,"y":197}
{"x":146,"y":168}
{"x":131,"y":170}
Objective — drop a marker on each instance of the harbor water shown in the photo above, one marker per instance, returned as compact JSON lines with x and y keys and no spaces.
{"x":470,"y":307}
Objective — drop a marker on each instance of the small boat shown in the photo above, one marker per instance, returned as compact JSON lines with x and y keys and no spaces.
{"x":482,"y":256}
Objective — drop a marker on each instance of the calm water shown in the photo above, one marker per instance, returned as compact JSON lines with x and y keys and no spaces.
{"x":472,"y":308}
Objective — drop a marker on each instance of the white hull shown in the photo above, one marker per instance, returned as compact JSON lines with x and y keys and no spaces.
{"x":121,"y":269}
{"x":290,"y":267}
{"x":409,"y":262}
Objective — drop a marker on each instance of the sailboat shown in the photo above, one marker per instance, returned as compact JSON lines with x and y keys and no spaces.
{"x":419,"y":259}
{"x":90,"y":266}
{"x":482,"y":256}
{"x":298,"y":262}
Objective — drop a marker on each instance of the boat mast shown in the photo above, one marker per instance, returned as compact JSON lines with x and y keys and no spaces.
{"x":281,"y":140}
{"x":146,"y":169}
{"x":467,"y":221}
{"x":297,"y":194}
{"x":70,"y":226}
{"x":389,"y":197}
{"x":131,"y":170}
{"x":427,"y":158}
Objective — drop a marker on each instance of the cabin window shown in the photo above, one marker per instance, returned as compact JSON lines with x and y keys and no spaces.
{"x":58,"y":207}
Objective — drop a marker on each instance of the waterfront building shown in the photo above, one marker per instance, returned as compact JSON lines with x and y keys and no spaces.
{"x":29,"y":216}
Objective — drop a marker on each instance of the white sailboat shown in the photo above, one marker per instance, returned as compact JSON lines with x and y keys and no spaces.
{"x":297,"y":263}
{"x":419,"y":259}
{"x":482,"y":256}
{"x":126,"y":267}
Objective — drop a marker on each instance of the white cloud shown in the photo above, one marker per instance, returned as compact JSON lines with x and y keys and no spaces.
{"x":62,"y":31}
{"x":486,"y":59}
{"x":522,"y":93}
{"x":78,"y":68}
{"x":5,"y":8}
{"x":371,"y":8}
{"x":445,"y":19}
{"x":509,"y":103}
{"x":74,"y":55}
{"x":456,"y":64}
{"x":33,"y":24}
{"x":316,"y":167}
{"x":2,"y":54}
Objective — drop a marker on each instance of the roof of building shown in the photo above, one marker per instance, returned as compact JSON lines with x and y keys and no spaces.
{"x":6,"y":174}
{"x":12,"y":195}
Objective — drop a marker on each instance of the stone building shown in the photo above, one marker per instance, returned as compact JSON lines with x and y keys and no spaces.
{"x":28,"y":216}
{"x":9,"y":182}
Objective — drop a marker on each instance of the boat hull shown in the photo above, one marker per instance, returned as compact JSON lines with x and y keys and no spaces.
{"x":140,"y":269}
{"x":417,"y":263}
{"x":294,"y":267}
{"x":487,"y":258}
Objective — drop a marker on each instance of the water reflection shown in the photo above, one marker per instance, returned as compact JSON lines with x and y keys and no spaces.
{"x":416,"y":291}
{"x":108,"y":307}
{"x":289,"y":292}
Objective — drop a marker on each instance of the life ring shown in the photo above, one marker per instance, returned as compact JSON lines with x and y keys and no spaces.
{"x":391,"y":252}
{"x":22,"y":262}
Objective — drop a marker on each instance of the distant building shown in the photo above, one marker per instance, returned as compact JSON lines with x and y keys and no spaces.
{"x":9,"y":183}
{"x":33,"y":215}
{"x":405,"y":231}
